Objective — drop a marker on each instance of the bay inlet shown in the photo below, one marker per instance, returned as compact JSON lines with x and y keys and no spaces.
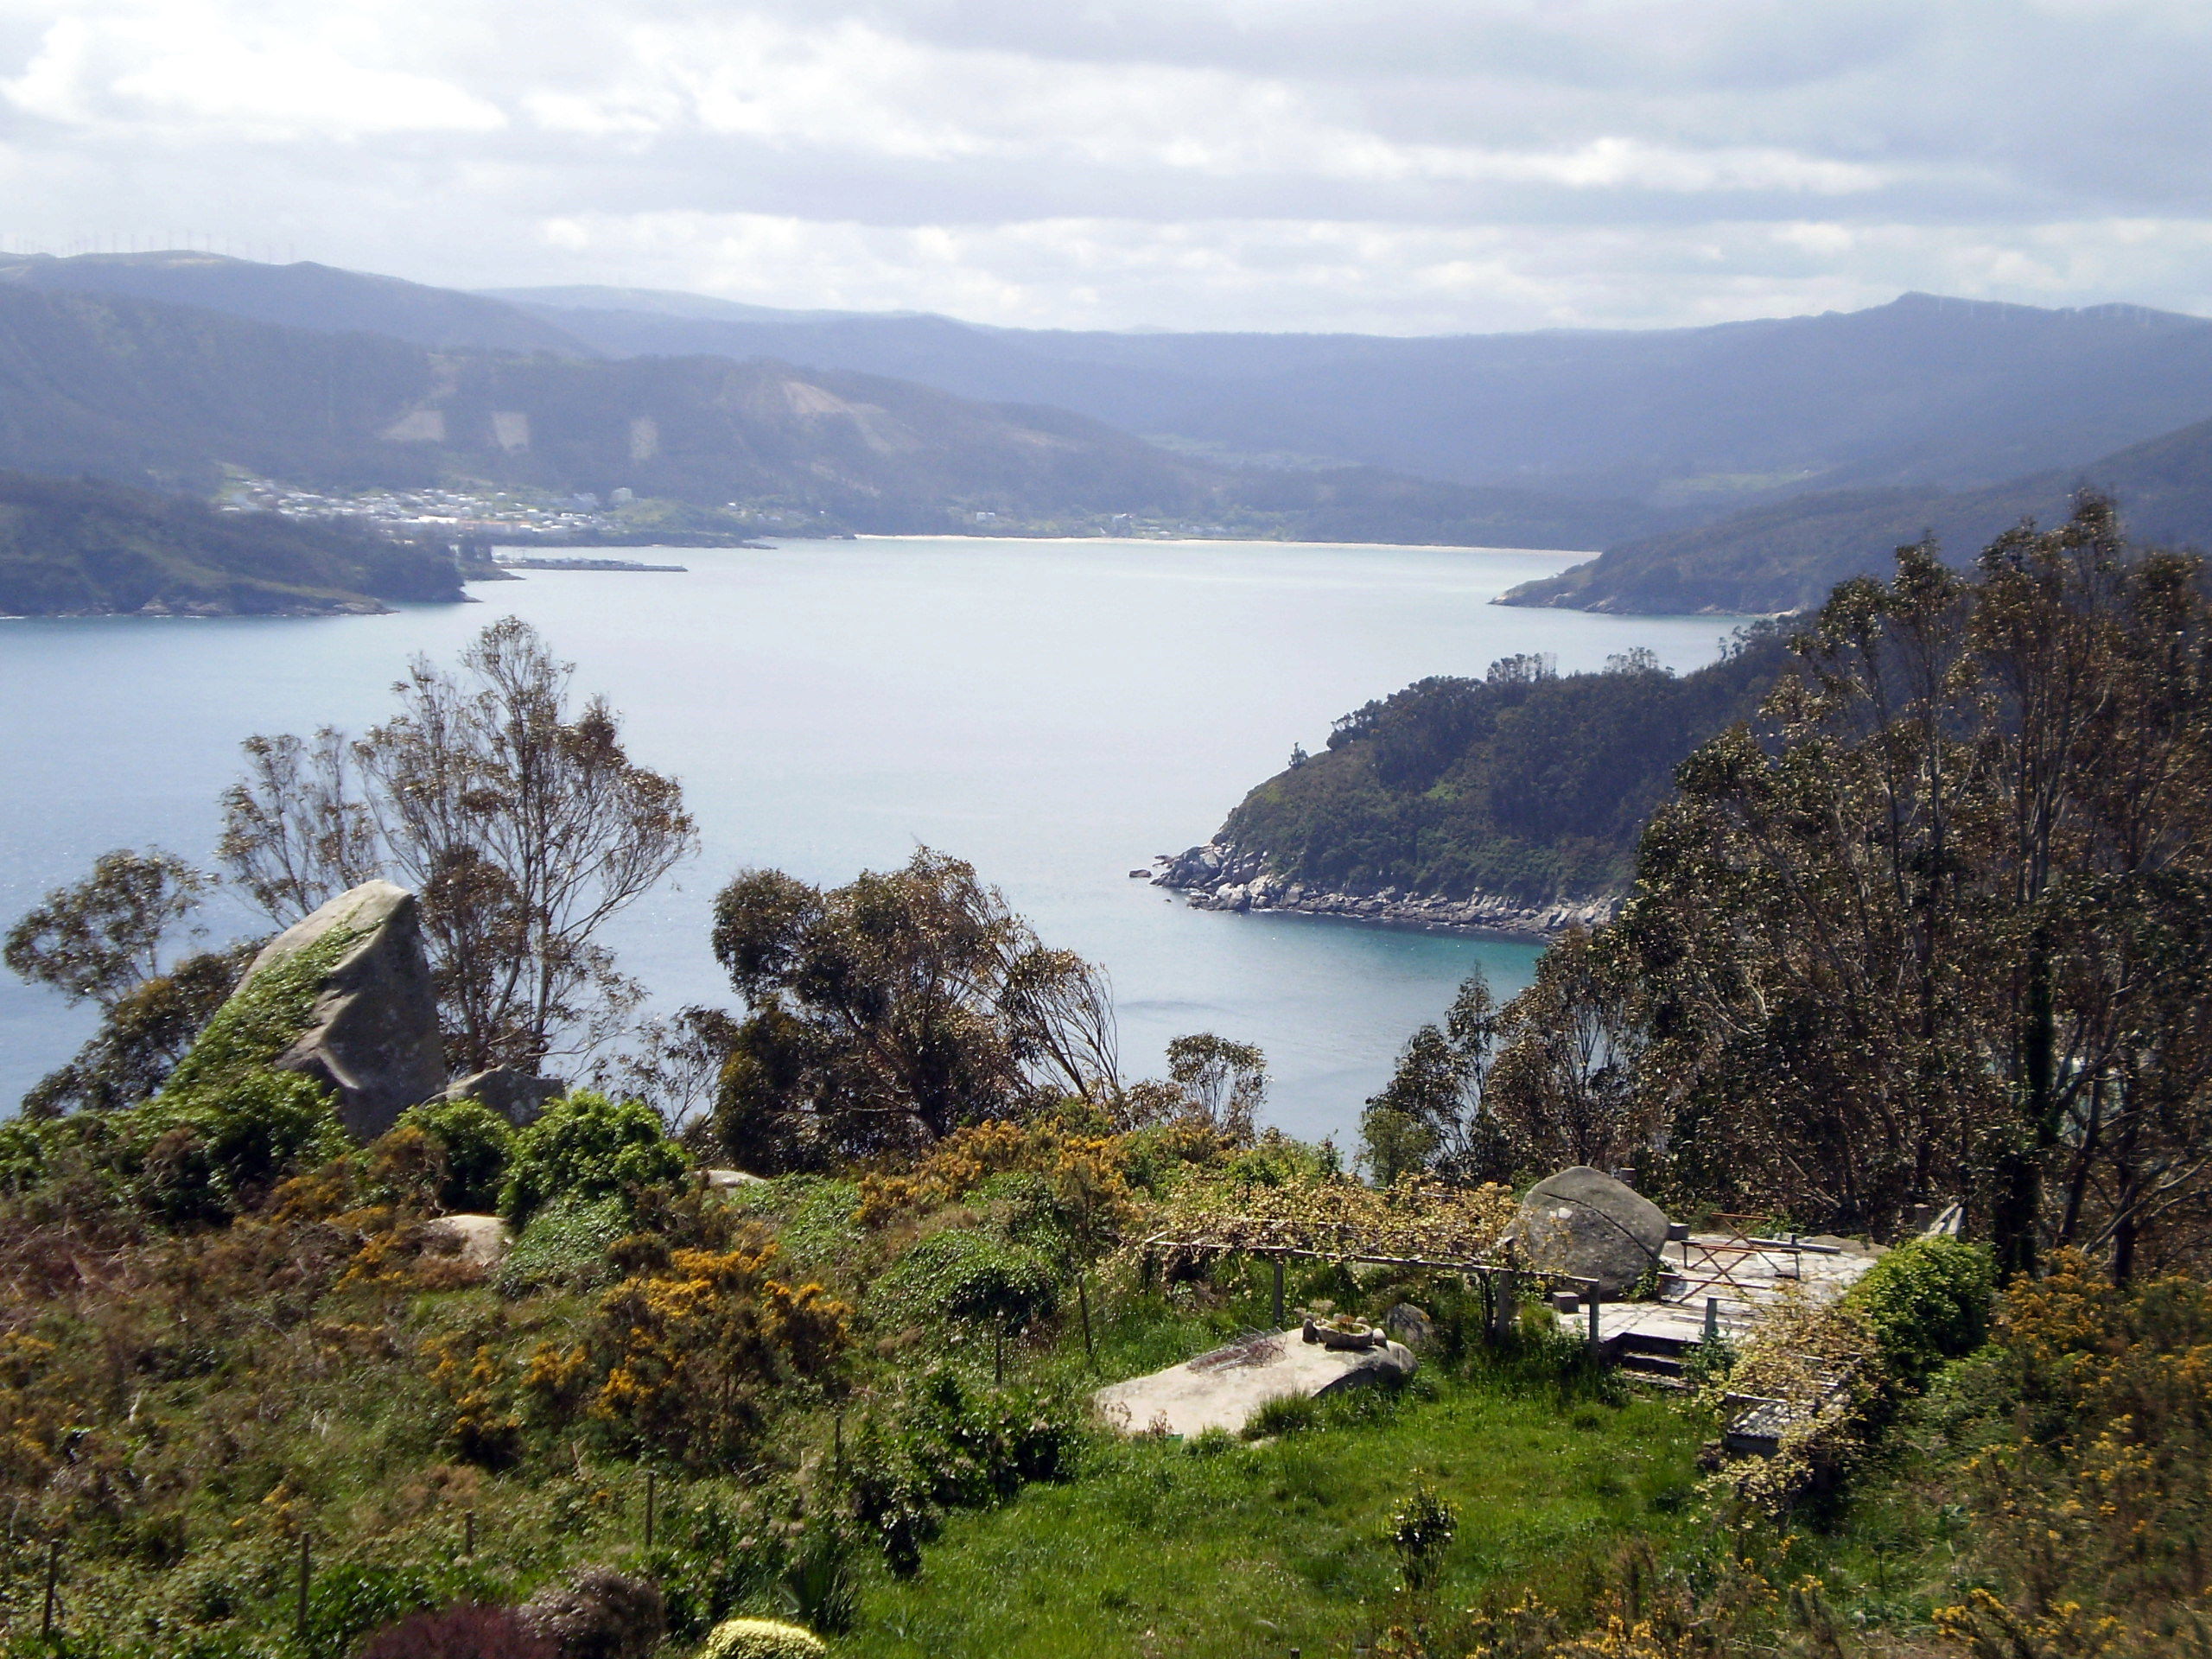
{"x":1056,"y":711}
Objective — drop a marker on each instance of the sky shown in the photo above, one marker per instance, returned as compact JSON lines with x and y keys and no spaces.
{"x":1390,"y":166}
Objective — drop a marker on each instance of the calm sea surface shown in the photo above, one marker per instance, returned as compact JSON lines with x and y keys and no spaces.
{"x":1055,"y":712}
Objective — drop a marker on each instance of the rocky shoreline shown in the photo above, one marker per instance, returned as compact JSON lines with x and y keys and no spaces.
{"x":1221,"y":875}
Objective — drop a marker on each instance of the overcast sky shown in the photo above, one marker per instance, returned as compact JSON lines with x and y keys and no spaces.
{"x":1407,"y":166}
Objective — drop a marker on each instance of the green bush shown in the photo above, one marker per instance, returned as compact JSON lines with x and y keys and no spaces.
{"x":564,"y":1248}
{"x":211,"y":1151}
{"x":944,"y":1445}
{"x":761,"y":1638}
{"x":587,"y":1147}
{"x":345,"y":1603}
{"x":963,"y":1275}
{"x":477,"y":1143}
{"x":1928,"y":1302}
{"x":714,"y":1558}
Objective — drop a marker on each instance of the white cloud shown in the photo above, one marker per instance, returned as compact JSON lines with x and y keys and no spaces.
{"x":211,"y":73}
{"x":1398,"y":164}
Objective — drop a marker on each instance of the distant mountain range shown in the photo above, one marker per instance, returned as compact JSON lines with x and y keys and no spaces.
{"x":157,"y":391}
{"x":1924,"y":390}
{"x":1735,"y":467}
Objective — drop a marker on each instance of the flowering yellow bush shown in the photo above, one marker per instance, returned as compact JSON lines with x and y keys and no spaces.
{"x":688,"y":1349}
{"x":761,"y":1638}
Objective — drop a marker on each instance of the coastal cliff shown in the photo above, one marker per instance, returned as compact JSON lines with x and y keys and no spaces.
{"x":1220,"y":875}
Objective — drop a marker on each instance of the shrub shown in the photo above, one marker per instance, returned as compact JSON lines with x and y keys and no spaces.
{"x":347,"y":1601}
{"x":1927,"y":1301}
{"x":212,"y":1151}
{"x":694,"y":1349}
{"x":564,"y":1248}
{"x":587,"y":1147}
{"x":761,"y":1638}
{"x":1421,"y":1532}
{"x":966,"y":1275}
{"x":598,"y":1613}
{"x":714,"y":1558}
{"x":464,"y":1632}
{"x":944,"y":1445}
{"x":477,"y":1143}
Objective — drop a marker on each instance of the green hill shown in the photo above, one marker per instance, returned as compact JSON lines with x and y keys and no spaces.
{"x":1528,"y":786}
{"x":1786,"y":556}
{"x":82,"y":547}
{"x":151,"y":392}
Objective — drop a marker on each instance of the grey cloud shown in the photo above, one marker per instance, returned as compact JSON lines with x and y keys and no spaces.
{"x":1527,"y":162}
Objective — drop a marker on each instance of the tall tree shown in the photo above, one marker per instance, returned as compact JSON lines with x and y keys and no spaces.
{"x":1942,"y":930}
{"x":520,"y":821}
{"x":1434,"y":1113}
{"x":107,"y":940}
{"x":888,"y":1012}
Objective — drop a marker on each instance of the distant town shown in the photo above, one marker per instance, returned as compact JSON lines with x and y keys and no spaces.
{"x":485,"y":514}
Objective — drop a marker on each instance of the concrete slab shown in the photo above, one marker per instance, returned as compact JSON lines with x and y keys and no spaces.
{"x":1222,"y":1389}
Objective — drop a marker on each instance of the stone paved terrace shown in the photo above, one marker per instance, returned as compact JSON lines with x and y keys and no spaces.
{"x":1744,"y":1277}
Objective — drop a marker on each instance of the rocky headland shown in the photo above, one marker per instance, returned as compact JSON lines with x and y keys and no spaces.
{"x":1220,"y":875}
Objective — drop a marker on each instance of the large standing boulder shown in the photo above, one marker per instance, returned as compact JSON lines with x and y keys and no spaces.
{"x":372,"y":1031}
{"x":1584,"y":1222}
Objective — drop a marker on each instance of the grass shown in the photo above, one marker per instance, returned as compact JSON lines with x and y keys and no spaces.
{"x":1226,"y":1548}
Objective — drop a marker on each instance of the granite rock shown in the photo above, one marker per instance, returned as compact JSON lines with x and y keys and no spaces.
{"x":372,"y":1037}
{"x":1584,"y":1222}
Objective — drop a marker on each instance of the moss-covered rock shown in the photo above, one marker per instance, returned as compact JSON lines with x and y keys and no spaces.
{"x":344,"y":997}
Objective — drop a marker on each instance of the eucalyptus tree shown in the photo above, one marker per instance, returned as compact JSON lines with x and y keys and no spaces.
{"x":1943,"y":928}
{"x":110,"y":940}
{"x":519,"y":820}
{"x":885,"y":1014}
{"x":1435,"y":1115}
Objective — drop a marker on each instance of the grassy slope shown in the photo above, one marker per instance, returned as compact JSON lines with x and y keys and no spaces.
{"x":1229,"y":1549}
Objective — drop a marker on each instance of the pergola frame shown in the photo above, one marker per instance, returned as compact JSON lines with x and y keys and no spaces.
{"x":1497,"y":1297}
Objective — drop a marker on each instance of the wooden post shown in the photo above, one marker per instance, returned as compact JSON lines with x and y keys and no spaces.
{"x":651,"y":1478}
{"x":53,"y":1580}
{"x":1278,"y":1293}
{"x":1711,"y":1318}
{"x":1505,"y":1306}
{"x":468,"y":1533}
{"x":1597,"y":1343}
{"x":307,"y":1570}
{"x":1083,"y":1301}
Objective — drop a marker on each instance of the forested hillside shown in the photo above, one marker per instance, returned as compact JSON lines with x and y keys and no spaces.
{"x":1524,"y":782}
{"x":75,"y":547}
{"x":1785,"y":557}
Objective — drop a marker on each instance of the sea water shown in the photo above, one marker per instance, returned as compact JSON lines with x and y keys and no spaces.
{"x":1055,"y":712}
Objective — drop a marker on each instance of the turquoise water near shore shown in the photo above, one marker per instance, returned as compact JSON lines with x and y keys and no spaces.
{"x":1056,"y":711}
